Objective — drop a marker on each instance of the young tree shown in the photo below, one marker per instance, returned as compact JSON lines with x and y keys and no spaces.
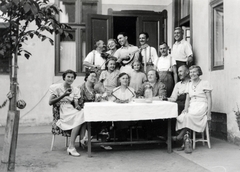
{"x":17,"y":16}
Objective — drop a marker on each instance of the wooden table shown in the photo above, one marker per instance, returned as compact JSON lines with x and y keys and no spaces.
{"x":110,"y":111}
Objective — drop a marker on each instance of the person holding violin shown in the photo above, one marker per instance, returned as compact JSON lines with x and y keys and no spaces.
{"x":126,"y":54}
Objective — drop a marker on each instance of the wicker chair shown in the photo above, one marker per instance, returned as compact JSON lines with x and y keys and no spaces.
{"x":55,"y":129}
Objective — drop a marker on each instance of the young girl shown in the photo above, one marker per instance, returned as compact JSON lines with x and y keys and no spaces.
{"x":109,"y":76}
{"x":123,"y":93}
{"x":101,"y":94}
{"x":137,"y":78}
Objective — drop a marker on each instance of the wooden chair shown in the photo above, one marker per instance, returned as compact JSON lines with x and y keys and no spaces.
{"x":55,"y":129}
{"x":203,"y":140}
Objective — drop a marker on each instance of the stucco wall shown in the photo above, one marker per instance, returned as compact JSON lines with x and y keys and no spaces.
{"x":226,"y":93}
{"x":37,"y":74}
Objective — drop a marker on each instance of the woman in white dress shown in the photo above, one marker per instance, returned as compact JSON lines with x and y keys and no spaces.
{"x":123,"y":93}
{"x":198,"y":105}
{"x":71,"y":117}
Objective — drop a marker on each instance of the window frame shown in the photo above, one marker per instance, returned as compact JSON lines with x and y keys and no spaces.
{"x":79,"y":26}
{"x":213,"y":5}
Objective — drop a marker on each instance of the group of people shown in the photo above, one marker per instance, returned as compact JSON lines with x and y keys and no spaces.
{"x":121,"y":74}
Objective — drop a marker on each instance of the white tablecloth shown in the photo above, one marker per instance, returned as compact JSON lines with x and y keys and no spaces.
{"x":110,"y":111}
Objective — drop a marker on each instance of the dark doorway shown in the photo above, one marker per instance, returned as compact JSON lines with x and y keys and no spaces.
{"x":125,"y":24}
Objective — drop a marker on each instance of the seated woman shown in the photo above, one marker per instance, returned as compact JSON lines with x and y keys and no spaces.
{"x":123,"y":93}
{"x":71,"y":117}
{"x":158,"y":88}
{"x":88,"y":94}
{"x":197,"y":106}
{"x":157,"y":127}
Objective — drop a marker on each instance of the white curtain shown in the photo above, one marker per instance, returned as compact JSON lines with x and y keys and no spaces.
{"x":67,"y":56}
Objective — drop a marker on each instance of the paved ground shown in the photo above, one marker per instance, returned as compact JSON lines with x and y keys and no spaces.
{"x":34,"y":155}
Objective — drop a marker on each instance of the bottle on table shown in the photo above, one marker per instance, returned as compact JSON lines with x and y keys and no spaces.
{"x":148,"y":94}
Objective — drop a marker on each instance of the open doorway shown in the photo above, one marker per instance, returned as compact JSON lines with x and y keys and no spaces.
{"x":125,"y":24}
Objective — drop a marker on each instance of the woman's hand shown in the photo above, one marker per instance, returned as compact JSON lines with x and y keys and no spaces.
{"x":78,"y":107}
{"x":67,"y":92}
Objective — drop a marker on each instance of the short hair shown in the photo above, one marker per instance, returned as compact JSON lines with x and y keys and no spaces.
{"x":67,"y":72}
{"x":121,"y":75}
{"x":138,"y":62}
{"x":162,"y":43}
{"x":96,"y":43}
{"x":198,"y":69}
{"x":178,"y":28}
{"x":89,"y":73}
{"x":114,"y":40}
{"x":185,"y":66}
{"x":110,"y":59}
{"x":156,"y":73}
{"x":123,"y":33}
{"x":144,"y":33}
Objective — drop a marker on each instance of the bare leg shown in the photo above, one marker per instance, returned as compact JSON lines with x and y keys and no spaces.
{"x":181,"y":134}
{"x":83,"y":131}
{"x":74,"y":134}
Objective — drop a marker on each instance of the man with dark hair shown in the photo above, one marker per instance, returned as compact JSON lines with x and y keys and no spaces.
{"x":126,"y":54}
{"x":148,"y":54}
{"x":182,"y":50}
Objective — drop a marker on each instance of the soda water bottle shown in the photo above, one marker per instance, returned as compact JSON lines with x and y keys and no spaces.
{"x":148,"y":94}
{"x":188,"y":143}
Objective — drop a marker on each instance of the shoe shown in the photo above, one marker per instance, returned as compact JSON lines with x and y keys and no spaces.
{"x":73,"y":152}
{"x":106,"y":147}
{"x":83,"y":143}
{"x":181,"y":148}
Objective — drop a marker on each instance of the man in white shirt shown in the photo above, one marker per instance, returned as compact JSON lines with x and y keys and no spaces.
{"x":126,"y":54}
{"x":94,"y":59}
{"x":178,"y":94}
{"x":166,"y":67}
{"x":148,"y":54}
{"x":182,"y":50}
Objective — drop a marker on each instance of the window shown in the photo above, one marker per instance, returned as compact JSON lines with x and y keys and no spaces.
{"x":4,"y":61}
{"x":185,"y":8}
{"x":70,"y":53}
{"x":217,"y":36}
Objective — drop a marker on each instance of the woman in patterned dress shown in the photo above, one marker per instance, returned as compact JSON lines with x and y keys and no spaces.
{"x":71,"y":117}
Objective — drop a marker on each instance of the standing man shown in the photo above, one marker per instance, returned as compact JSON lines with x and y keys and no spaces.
{"x":182,"y":50}
{"x":126,"y":54}
{"x":148,"y":54}
{"x":166,"y":67}
{"x":94,"y":60}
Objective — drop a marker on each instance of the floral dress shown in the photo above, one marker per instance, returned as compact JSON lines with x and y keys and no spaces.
{"x":69,"y":116}
{"x":85,"y":95}
{"x":196,"y":117}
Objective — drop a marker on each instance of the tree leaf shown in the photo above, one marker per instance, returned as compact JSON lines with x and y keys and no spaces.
{"x":27,"y":56}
